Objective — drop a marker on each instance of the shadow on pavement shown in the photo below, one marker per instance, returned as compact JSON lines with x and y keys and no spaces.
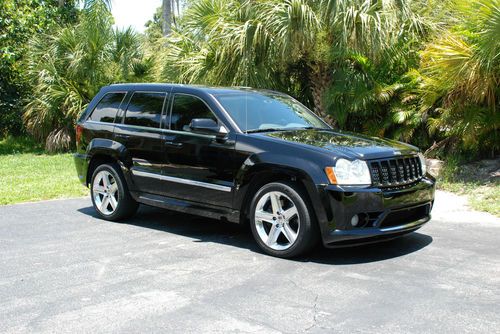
{"x":208,"y":230}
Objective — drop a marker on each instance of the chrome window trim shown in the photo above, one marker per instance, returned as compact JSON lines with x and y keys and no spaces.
{"x":183,"y":181}
{"x":153,"y":129}
{"x":162,"y":130}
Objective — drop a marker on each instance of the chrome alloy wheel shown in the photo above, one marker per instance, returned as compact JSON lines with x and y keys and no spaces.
{"x":105,"y":192}
{"x":277,"y":220}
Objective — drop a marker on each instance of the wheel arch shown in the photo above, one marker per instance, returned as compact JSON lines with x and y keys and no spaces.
{"x":256,"y":176}
{"x":102,"y":151}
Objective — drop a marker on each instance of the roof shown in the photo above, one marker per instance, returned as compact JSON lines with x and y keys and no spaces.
{"x":203,"y":88}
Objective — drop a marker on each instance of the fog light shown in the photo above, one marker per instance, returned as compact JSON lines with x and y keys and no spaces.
{"x":354,"y":220}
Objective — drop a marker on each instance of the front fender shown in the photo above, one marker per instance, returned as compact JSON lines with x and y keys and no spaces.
{"x":265,"y":164}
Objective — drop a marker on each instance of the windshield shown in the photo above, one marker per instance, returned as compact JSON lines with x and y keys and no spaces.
{"x":262,"y":111}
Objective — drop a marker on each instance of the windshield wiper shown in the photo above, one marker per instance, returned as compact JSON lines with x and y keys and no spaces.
{"x":266,"y":130}
{"x":286,"y":129}
{"x":308,"y":128}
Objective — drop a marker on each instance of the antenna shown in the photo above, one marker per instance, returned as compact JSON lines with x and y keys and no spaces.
{"x":246,"y":90}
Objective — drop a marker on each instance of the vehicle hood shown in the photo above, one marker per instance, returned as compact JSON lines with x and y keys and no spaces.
{"x":352,"y":145}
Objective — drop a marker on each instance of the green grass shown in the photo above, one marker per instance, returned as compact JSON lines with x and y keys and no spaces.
{"x":33,"y":177}
{"x":15,"y":145}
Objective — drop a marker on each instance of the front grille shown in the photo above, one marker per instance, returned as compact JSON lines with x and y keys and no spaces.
{"x":395,"y":171}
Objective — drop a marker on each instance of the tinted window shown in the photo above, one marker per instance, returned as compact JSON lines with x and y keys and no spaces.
{"x":185,"y":108}
{"x":106,"y":109}
{"x":145,"y":109}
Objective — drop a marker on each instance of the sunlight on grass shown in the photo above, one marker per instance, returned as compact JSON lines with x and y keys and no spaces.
{"x":33,"y":177}
{"x":481,"y":197}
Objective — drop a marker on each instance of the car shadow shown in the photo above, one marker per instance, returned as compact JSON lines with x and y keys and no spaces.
{"x":202,"y":229}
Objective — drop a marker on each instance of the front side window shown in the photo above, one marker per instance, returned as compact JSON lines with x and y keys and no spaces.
{"x":186,"y":108}
{"x":145,"y":109}
{"x":106,"y":109}
{"x":262,"y":111}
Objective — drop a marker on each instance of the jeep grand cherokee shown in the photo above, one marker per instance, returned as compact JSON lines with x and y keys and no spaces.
{"x":248,"y":155}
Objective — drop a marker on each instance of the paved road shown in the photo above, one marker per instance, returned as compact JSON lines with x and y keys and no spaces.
{"x":62,"y":270}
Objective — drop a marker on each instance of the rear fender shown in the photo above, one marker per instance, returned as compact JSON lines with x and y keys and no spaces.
{"x":115,"y":150}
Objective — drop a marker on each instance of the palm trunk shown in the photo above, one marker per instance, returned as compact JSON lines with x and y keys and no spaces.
{"x":166,"y":15}
{"x":320,"y":79}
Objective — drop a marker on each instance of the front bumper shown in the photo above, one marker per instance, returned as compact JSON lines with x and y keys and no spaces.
{"x":382,"y":213}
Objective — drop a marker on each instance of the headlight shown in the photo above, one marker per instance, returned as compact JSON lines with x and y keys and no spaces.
{"x":422,"y":163}
{"x":348,"y":172}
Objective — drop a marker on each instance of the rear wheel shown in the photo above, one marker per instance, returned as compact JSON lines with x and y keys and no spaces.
{"x":110,"y":195}
{"x":281,"y":221}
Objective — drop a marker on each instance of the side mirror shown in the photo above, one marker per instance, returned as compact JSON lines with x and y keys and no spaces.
{"x":207,"y":126}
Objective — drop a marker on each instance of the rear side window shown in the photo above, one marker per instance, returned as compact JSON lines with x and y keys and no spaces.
{"x":145,"y":109}
{"x":106,"y":109}
{"x":185,"y":108}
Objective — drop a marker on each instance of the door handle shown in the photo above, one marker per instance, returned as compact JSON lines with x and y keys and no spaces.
{"x":173,"y":144}
{"x":121,"y":135}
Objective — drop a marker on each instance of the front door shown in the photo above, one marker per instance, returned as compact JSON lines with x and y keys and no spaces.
{"x":199,"y":167}
{"x":142,"y":134}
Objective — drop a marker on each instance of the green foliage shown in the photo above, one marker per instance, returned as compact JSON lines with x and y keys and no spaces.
{"x":259,"y":44}
{"x":20,"y":20}
{"x":357,"y":62}
{"x":15,"y":145}
{"x":461,"y":79}
{"x":70,"y":65}
{"x":422,"y":71}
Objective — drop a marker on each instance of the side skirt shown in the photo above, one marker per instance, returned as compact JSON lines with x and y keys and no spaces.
{"x":214,"y":212}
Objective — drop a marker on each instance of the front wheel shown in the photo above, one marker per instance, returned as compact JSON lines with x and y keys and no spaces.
{"x":110,"y":195}
{"x":281,"y":221}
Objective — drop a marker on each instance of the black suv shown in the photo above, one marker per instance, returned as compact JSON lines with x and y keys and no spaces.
{"x":248,"y":155}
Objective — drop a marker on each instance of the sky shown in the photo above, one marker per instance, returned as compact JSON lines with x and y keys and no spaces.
{"x":133,"y":13}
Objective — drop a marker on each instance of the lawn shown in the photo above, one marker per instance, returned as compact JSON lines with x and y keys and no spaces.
{"x":28,"y":174}
{"x":32,"y":177}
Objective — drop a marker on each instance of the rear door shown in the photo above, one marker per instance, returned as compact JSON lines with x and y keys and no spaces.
{"x":140,"y":131}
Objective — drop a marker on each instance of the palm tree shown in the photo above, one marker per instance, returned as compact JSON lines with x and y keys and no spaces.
{"x":256,"y":43}
{"x":461,"y":75}
{"x":166,"y":15}
{"x":69,"y":66}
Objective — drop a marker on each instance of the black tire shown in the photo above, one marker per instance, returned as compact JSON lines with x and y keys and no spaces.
{"x":126,"y":206}
{"x":307,"y":235}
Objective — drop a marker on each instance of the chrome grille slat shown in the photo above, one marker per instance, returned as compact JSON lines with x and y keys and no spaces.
{"x":395,"y":172}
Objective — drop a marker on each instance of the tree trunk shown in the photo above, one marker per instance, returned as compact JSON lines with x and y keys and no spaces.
{"x":61,"y":3}
{"x":320,"y":79}
{"x":166,"y":16}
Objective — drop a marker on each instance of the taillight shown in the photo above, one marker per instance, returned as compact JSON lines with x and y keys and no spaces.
{"x":79,"y":131}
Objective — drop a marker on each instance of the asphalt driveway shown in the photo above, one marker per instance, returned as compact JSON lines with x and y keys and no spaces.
{"x":64,"y":270}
